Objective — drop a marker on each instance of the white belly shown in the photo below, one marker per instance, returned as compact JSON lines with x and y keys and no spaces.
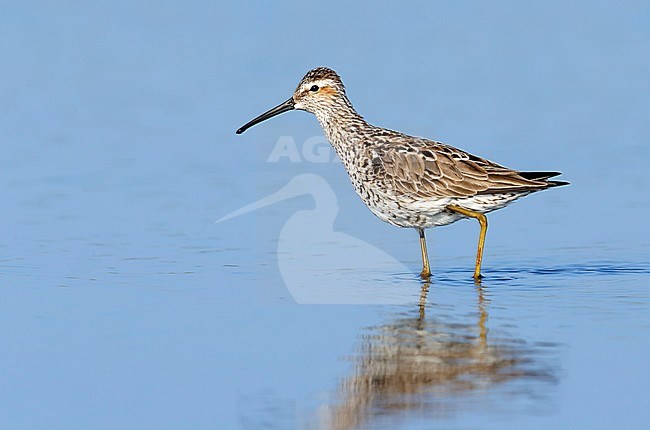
{"x":433,"y":212}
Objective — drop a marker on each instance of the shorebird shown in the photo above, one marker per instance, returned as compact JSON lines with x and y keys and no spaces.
{"x":404,"y":180}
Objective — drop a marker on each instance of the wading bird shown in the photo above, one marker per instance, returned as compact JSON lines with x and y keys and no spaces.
{"x":404,"y":180}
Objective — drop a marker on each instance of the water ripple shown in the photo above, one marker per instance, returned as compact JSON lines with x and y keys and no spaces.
{"x":610,"y":269}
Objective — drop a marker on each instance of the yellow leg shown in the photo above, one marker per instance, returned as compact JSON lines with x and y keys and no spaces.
{"x":482,"y":220}
{"x":426,"y":271}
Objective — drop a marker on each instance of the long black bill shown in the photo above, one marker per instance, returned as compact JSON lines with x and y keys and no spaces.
{"x":281,"y":108}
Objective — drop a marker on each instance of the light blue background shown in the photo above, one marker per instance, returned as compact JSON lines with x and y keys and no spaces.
{"x":122,"y":303}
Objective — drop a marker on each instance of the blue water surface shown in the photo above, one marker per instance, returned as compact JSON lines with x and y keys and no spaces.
{"x":125,"y":304}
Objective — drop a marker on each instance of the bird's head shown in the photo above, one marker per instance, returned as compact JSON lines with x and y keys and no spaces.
{"x":320,"y":90}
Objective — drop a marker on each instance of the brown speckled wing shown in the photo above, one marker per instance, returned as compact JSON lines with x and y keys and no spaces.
{"x":423,"y":168}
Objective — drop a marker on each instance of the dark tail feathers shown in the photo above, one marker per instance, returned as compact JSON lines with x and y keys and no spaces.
{"x":544,"y":176}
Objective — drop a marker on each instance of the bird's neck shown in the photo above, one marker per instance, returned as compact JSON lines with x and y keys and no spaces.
{"x":341,"y":124}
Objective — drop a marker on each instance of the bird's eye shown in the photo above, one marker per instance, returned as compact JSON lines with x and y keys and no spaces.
{"x":314,"y":88}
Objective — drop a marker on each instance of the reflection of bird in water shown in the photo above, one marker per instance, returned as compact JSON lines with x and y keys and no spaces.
{"x":419,"y":365}
{"x":330,"y":275}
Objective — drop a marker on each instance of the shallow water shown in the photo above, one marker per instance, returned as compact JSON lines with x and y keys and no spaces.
{"x":126,"y":301}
